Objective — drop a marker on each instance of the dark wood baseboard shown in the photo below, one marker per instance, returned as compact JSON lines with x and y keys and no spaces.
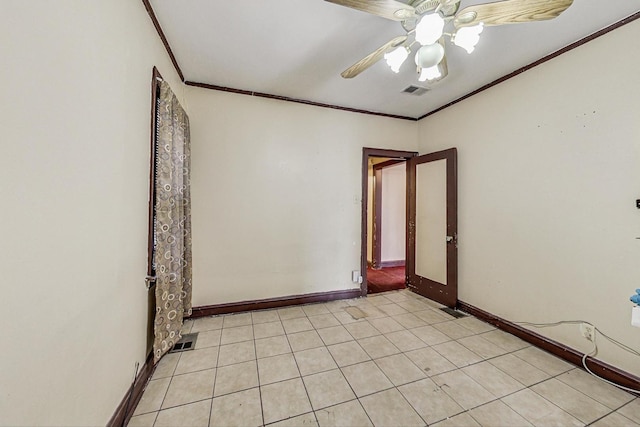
{"x":125,"y":409}
{"x":387,"y":264}
{"x":569,"y":354}
{"x":263,"y":304}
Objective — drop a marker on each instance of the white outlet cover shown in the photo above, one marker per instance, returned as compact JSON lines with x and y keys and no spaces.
{"x":635,"y":316}
{"x":587,"y":331}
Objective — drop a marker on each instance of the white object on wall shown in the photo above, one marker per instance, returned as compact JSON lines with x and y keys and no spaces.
{"x":635,"y":316}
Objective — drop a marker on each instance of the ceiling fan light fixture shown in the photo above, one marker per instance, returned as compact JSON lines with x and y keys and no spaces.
{"x":396,"y":58}
{"x":430,"y":73}
{"x":429,"y":29}
{"x":468,"y":37}
{"x":429,"y":56}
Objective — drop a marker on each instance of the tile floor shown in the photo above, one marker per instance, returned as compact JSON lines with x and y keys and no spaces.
{"x":406,"y":363}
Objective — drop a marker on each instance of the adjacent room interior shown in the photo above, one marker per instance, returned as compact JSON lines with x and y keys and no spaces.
{"x":547,"y":215}
{"x":386,"y":221}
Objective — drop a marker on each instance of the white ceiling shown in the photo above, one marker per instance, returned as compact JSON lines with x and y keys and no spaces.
{"x":297,"y":49}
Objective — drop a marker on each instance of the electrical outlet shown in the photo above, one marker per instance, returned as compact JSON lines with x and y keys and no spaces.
{"x":588,"y":331}
{"x":635,"y":316}
{"x":355,"y":276}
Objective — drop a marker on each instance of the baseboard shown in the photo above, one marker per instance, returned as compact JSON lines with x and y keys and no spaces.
{"x":387,"y":264}
{"x":125,"y":409}
{"x":569,"y":354}
{"x":263,"y":304}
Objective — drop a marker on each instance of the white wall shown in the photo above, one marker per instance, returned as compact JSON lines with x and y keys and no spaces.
{"x":76,"y":87}
{"x":394,"y":184}
{"x":276,"y":191}
{"x":548,"y":177}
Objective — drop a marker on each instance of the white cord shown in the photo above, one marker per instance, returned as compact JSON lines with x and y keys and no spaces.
{"x":593,"y":352}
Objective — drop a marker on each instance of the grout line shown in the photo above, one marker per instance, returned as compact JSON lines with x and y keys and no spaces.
{"x":255,"y":350}
{"x":217,"y":367}
{"x":183,"y":404}
{"x":610,"y":413}
{"x":302,"y":381}
{"x":339,"y":368}
{"x":167,"y":390}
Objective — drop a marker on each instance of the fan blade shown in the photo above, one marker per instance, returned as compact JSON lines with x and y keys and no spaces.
{"x":511,"y":12}
{"x":390,"y":9}
{"x":372,"y":58}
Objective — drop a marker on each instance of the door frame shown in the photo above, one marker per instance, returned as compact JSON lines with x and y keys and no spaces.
{"x":150,"y":280}
{"x":366,"y":154}
{"x":447,"y":295}
{"x":376,"y":256}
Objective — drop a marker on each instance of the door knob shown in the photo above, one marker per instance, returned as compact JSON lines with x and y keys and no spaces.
{"x":449,"y":239}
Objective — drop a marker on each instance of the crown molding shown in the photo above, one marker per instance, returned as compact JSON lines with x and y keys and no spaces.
{"x":542,"y":60}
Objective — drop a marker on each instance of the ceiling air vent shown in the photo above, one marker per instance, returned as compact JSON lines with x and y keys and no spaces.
{"x":415,"y":90}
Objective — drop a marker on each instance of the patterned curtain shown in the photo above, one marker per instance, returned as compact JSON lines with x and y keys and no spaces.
{"x":173,"y":222}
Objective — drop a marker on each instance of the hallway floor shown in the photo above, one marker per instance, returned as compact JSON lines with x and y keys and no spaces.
{"x":405,"y":364}
{"x":385,"y":279}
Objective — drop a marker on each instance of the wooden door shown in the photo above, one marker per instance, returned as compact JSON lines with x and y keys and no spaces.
{"x":432,"y":226}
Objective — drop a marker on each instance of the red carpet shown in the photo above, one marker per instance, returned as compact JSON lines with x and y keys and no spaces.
{"x":385,"y":279}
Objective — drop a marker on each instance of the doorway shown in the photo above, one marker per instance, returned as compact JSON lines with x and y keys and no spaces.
{"x":431,"y":222}
{"x":382,"y":262}
{"x":386,"y":222}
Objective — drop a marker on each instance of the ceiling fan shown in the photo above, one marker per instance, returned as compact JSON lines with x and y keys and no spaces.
{"x":424,"y":22}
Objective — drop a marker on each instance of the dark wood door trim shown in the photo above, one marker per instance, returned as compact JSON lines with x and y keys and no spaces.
{"x":156,"y":78}
{"x":366,"y":154}
{"x":376,"y":256}
{"x":376,"y":241}
{"x":447,"y":295}
{"x":155,"y":84}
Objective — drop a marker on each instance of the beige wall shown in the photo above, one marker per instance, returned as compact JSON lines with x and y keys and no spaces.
{"x":548,"y":177}
{"x":394,"y":184}
{"x":76,"y":83}
{"x":276,"y":193}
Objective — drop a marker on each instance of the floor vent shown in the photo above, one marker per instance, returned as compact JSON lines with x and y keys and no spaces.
{"x":455,"y":313}
{"x":186,"y":343}
{"x":416,"y":90}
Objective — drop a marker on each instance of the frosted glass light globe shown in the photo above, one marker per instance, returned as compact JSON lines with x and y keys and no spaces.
{"x":430,"y":73}
{"x":429,"y":29}
{"x":468,"y":37}
{"x":429,"y":56}
{"x":396,"y":58}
